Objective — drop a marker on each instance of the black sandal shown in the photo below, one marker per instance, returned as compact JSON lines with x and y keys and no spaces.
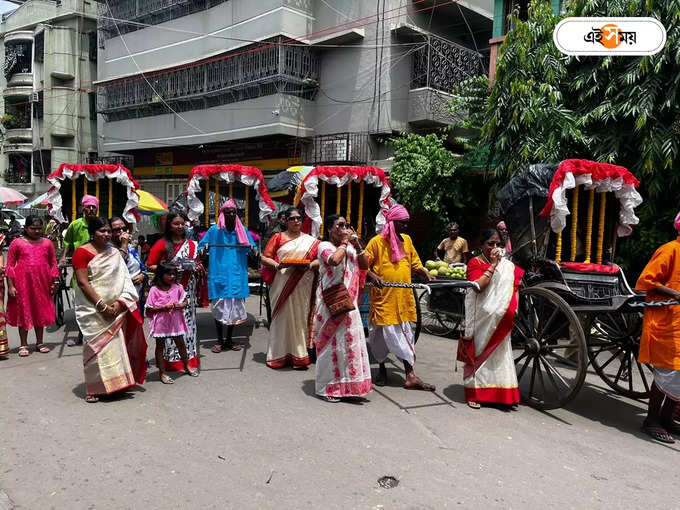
{"x":658,"y":433}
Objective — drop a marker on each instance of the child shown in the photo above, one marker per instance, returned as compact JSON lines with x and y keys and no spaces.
{"x":164,"y":305}
{"x":32,"y":280}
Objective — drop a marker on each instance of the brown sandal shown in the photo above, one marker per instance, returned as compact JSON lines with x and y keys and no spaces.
{"x":91,"y":399}
{"x":42,"y":348}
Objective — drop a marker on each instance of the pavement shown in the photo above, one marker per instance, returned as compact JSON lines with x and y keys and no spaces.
{"x":246,"y":436}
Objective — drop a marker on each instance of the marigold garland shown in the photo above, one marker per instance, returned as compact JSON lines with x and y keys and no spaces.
{"x":600,"y":229}
{"x":207,"y":203}
{"x":360,"y":219}
{"x":589,"y":225}
{"x":558,"y":248}
{"x":110,"y":198}
{"x":574,"y":223}
{"x":349,"y":202}
{"x":73,"y":199}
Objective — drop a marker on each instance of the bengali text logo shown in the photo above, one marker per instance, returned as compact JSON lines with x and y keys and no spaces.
{"x":609,"y":36}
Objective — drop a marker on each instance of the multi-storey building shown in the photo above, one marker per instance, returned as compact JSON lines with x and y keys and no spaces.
{"x":49,"y":53}
{"x":277,"y":82}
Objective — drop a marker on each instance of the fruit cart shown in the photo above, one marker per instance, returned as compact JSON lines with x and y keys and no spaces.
{"x":575,"y":306}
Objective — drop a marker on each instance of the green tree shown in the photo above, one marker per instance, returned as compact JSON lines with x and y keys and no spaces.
{"x":545,"y":107}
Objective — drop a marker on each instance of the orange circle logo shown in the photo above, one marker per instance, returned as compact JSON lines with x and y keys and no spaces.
{"x":611,"y":36}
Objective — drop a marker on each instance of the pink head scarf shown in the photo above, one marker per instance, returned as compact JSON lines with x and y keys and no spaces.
{"x":89,"y":200}
{"x":676,"y":223}
{"x":240,"y":230}
{"x":394,"y":213}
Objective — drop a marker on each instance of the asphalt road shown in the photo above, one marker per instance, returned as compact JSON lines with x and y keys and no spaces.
{"x":245,"y":436}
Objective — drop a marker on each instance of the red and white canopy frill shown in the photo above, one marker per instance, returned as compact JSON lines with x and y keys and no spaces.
{"x":247,"y":175}
{"x":339,"y":176}
{"x":92,"y":173}
{"x":601,"y":177}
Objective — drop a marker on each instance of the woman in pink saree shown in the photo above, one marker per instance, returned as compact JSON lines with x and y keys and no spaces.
{"x":291,"y":293}
{"x":114,"y":352}
{"x":342,"y":365}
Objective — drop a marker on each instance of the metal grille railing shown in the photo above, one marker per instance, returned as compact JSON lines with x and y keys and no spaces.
{"x":442,"y":65}
{"x":247,"y":74}
{"x":18,"y":169}
{"x":337,"y":148}
{"x":150,"y":12}
{"x":17,"y":58}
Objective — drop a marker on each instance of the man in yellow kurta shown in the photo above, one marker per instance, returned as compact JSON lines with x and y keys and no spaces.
{"x":393,"y":258}
{"x":660,"y":342}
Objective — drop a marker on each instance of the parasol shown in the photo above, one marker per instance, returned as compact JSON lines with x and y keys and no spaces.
{"x":150,"y":205}
{"x":8,"y":196}
{"x":37,"y":203}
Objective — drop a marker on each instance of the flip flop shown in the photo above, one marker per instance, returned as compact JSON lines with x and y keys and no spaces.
{"x":658,"y":433}
{"x":42,"y":348}
{"x":217,"y":348}
{"x":332,"y":400}
{"x":23,"y":351}
{"x":474,"y":405}
{"x":192,"y":372}
{"x":420,"y":385}
{"x":91,"y":399}
{"x":233,"y":347}
{"x":166,"y":379}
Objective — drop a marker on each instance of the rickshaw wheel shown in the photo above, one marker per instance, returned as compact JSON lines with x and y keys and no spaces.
{"x":613,"y":346}
{"x":419,"y":318}
{"x":430,"y":321}
{"x":268,"y":305}
{"x":549,"y":349}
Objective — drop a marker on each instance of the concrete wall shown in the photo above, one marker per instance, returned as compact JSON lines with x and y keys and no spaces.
{"x":363,"y":89}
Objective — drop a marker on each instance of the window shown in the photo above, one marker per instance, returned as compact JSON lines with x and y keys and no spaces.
{"x":39,"y":42}
{"x":92,"y":45}
{"x":92,"y":97}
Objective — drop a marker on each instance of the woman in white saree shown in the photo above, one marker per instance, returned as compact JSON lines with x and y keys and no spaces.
{"x":288,"y":263}
{"x":489,"y":316}
{"x":114,"y":352}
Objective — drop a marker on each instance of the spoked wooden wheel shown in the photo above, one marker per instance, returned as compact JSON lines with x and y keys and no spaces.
{"x":549,"y":349}
{"x":430,"y":320}
{"x":417,"y":326}
{"x":613,"y":346}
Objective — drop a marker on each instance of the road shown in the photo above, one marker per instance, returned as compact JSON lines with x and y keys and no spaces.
{"x":245,"y":436}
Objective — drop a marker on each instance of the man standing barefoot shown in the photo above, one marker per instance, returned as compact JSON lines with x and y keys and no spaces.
{"x":393,"y":258}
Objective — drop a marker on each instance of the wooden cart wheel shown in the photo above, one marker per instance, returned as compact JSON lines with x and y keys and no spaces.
{"x":430,"y":321}
{"x":549,"y":349}
{"x":613,"y":346}
{"x":59,"y":308}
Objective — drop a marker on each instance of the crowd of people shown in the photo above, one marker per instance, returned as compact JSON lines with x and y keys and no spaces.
{"x":315,"y":288}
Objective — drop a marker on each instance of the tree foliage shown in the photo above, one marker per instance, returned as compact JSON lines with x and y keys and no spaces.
{"x":545,"y":107}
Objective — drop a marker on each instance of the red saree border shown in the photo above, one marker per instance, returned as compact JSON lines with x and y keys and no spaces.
{"x":292,"y":282}
{"x":288,"y":359}
{"x":496,"y":395}
{"x":348,"y":389}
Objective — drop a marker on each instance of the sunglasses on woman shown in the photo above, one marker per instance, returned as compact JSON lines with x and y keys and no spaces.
{"x":295,"y":218}
{"x":119,"y":229}
{"x":496,"y":245}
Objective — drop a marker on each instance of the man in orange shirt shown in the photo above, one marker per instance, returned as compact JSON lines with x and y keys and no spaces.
{"x":660,"y":342}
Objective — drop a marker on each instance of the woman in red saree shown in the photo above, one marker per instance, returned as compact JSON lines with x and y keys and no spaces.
{"x":114,"y":353}
{"x":291,"y":293}
{"x":489,"y":316}
{"x":175,"y":248}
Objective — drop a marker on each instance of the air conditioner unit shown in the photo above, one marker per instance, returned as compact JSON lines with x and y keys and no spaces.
{"x":35,"y":97}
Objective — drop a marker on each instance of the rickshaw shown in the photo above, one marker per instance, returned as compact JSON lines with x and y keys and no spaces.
{"x":362,"y":193}
{"x":209,"y":186}
{"x":112,"y":184}
{"x":576,"y":307}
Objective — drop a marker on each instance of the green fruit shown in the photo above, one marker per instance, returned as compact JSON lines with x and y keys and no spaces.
{"x":434,"y":272}
{"x":430,"y":264}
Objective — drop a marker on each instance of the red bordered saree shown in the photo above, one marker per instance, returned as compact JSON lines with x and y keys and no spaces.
{"x":489,"y":317}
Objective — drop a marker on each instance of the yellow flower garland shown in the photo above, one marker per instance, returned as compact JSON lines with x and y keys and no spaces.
{"x":574,"y":223}
{"x":349,"y":202}
{"x":589,"y":225}
{"x":600,"y":229}
{"x":360,"y":219}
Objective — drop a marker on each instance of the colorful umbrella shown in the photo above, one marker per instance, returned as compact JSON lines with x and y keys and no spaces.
{"x":37,"y":203}
{"x":8,"y":196}
{"x":150,"y":205}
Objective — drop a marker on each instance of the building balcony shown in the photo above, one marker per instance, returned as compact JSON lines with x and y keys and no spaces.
{"x":18,"y":54}
{"x":150,"y":12}
{"x":243,"y":75}
{"x":443,"y":65}
{"x":18,"y":168}
{"x":429,"y":108}
{"x":19,"y":135}
{"x":17,"y":92}
{"x":20,"y":80}
{"x":336,"y":148}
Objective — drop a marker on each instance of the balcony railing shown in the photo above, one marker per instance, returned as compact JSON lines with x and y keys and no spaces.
{"x":19,"y":169}
{"x":442,"y":65}
{"x":275,"y":69}
{"x":18,"y":58}
{"x":336,"y":148}
{"x":149,"y":12}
